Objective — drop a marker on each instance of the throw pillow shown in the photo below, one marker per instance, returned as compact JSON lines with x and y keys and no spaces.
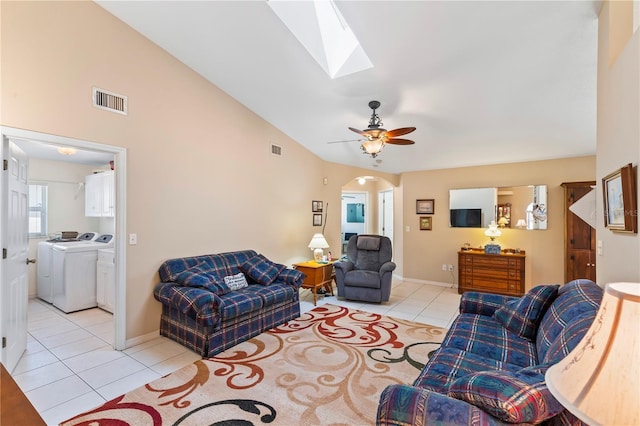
{"x":291,"y":277}
{"x":523,"y":315}
{"x":236,"y":282}
{"x":514,"y":397}
{"x":201,"y":276}
{"x":261,"y":269}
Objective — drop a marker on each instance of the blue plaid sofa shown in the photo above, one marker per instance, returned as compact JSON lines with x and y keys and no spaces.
{"x":204,"y":308}
{"x":490,"y":367}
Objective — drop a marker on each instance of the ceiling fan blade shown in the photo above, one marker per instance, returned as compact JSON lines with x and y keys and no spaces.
{"x":399,"y":132}
{"x":360,"y":132}
{"x":398,"y":141}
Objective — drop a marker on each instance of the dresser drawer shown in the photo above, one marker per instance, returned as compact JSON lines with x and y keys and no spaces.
{"x":493,"y":273}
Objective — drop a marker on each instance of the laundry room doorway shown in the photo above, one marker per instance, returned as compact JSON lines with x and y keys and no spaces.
{"x":39,"y":147}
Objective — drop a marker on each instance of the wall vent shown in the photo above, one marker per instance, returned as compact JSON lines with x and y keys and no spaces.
{"x":276,"y":150}
{"x":109,"y":101}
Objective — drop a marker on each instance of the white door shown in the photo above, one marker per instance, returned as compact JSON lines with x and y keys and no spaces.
{"x":385,"y":214}
{"x":14,"y":291}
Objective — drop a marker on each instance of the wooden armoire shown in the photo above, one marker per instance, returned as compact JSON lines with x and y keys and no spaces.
{"x":580,"y":238}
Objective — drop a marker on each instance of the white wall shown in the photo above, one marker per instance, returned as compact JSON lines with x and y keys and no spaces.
{"x":618,"y":140}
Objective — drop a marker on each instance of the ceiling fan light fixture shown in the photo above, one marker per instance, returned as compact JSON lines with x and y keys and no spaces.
{"x":373,"y":147}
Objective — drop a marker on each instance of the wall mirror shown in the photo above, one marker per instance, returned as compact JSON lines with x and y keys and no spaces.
{"x":516,"y":207}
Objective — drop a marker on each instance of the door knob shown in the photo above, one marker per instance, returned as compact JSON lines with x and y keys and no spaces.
{"x":30,"y":261}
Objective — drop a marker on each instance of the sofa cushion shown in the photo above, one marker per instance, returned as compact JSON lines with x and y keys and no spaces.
{"x":575,"y":299}
{"x":291,"y":277}
{"x":201,"y":276}
{"x":515,"y":397}
{"x":273,"y":294}
{"x":262,"y":270}
{"x":523,"y":315}
{"x":486,"y":337}
{"x":237,"y":303}
{"x":236,"y":282}
{"x":449,"y":364}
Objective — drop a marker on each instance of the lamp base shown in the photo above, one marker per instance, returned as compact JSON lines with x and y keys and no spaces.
{"x":317,"y":254}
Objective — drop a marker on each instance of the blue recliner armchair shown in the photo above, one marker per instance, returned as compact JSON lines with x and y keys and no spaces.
{"x":366,"y":274}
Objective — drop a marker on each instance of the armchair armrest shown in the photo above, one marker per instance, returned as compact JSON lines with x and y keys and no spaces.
{"x":344,"y":266}
{"x":410,"y":405}
{"x":474,"y":302}
{"x":387,"y":267}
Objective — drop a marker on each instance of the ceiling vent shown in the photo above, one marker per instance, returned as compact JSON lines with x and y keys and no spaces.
{"x":109,"y":101}
{"x":276,"y":150}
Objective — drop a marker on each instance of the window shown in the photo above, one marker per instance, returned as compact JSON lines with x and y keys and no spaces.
{"x":37,"y":210}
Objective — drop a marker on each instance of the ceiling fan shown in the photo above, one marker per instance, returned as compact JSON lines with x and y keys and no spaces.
{"x":376,"y":136}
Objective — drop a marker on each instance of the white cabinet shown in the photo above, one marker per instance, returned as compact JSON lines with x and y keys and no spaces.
{"x":99,"y":195}
{"x":106,"y":279}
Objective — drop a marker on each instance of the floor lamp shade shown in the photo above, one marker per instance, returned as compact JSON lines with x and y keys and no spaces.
{"x":599,"y":381}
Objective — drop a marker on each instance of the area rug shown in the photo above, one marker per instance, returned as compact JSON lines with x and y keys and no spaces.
{"x":328,"y":367}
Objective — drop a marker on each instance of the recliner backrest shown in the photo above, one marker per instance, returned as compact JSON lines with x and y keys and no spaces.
{"x":369,"y":252}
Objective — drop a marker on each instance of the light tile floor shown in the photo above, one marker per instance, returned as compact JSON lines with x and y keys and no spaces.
{"x":70,"y":367}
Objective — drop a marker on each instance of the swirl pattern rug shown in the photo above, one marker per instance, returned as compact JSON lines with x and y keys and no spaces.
{"x":327,"y":367}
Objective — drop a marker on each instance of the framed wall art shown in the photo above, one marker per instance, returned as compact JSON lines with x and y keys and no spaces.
{"x":316,"y":206}
{"x":317,"y":220}
{"x":620,"y":200}
{"x":425,"y":223}
{"x":424,"y":206}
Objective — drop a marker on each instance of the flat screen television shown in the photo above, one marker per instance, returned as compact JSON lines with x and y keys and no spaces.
{"x":466,"y":218}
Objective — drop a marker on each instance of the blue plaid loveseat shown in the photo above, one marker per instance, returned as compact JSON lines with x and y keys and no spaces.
{"x":490,"y":367}
{"x":204,"y":309}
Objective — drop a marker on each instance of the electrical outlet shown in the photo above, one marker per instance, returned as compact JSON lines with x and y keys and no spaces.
{"x":450,"y":268}
{"x":444,"y":267}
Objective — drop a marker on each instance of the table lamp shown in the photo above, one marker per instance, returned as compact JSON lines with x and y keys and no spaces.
{"x":493,"y":232}
{"x":599,"y":381}
{"x":317,"y":244}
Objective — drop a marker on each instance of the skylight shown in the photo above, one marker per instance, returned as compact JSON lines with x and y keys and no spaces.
{"x":323,"y":31}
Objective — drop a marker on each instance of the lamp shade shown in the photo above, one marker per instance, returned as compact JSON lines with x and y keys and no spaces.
{"x":318,"y":241}
{"x":599,"y":381}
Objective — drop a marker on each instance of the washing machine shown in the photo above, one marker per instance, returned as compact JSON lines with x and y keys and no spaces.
{"x":74,"y":273}
{"x":44,"y":284}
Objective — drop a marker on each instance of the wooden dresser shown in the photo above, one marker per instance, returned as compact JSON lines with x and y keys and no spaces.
{"x":493,"y":273}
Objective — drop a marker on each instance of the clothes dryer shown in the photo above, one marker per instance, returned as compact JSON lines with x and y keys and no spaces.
{"x":74,"y":273}
{"x":44,"y":283}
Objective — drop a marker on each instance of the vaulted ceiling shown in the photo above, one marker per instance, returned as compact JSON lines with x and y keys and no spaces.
{"x":484,"y":82}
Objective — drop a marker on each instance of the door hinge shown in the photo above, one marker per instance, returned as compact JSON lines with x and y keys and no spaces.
{"x":4,"y":253}
{"x":4,"y":342}
{"x":5,"y":165}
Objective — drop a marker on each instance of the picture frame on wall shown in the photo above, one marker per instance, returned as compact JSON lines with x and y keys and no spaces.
{"x":425,"y":206}
{"x":425,"y":223}
{"x":317,"y":220}
{"x":316,"y":206}
{"x":620,"y":200}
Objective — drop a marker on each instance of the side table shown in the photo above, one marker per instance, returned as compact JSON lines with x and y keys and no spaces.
{"x":317,"y":275}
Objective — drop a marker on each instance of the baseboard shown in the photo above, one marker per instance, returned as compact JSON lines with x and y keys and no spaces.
{"x":436,"y":283}
{"x":141,"y":339}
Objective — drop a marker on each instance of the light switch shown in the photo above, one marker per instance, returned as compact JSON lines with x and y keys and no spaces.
{"x":599,"y":247}
{"x":133,"y":239}
{"x":407,"y":228}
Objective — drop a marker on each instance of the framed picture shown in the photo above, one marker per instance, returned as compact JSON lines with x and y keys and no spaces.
{"x":316,"y":206}
{"x":620,"y":201}
{"x":317,"y":220}
{"x":424,"y":206}
{"x":425,"y":223}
